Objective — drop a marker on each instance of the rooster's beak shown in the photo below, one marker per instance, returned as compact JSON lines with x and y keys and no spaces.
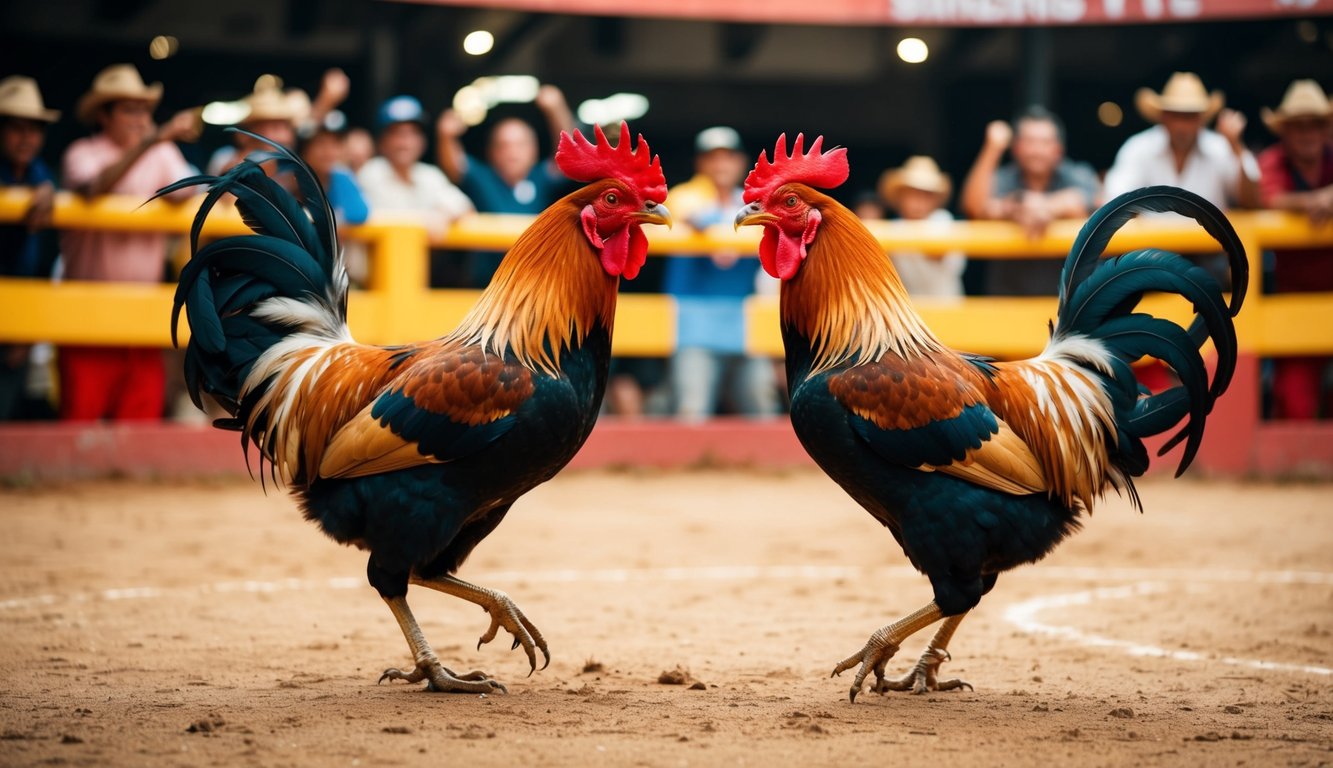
{"x":654,"y":213}
{"x":753,"y":214}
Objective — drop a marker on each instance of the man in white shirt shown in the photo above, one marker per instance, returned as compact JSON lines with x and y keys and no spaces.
{"x":397,"y":184}
{"x":1181,"y":152}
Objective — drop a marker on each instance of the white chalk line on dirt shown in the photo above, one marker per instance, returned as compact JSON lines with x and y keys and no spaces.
{"x":1024,"y":616}
{"x":1147,"y":581}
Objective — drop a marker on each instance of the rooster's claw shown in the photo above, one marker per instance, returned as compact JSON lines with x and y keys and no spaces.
{"x":443,"y":680}
{"x":505,"y":614}
{"x":924,"y":676}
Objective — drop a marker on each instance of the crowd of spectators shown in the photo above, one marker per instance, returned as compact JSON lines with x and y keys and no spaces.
{"x":1021,"y":174}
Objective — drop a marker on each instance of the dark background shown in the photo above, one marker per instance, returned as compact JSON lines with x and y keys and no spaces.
{"x":847,"y":83}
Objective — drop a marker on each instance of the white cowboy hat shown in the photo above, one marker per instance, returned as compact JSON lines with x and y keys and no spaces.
{"x":117,"y":82}
{"x":270,"y":102}
{"x":919,"y":172}
{"x":19,"y":97}
{"x":1304,"y":98}
{"x":1184,"y":92}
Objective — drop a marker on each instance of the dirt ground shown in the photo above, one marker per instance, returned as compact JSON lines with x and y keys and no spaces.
{"x":207,"y":624}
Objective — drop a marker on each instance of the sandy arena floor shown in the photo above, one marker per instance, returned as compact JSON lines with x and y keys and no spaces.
{"x":209,"y":625}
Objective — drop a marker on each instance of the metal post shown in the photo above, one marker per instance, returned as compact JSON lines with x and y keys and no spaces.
{"x":1036,"y":48}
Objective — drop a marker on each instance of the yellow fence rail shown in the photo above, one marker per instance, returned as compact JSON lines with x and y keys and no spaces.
{"x":398,"y":306}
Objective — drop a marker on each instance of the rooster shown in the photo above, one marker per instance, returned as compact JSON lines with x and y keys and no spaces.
{"x":416,"y":452}
{"x":977,"y":466}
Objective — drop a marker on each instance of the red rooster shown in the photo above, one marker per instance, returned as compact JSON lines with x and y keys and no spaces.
{"x":976,"y":466}
{"x":416,"y":452}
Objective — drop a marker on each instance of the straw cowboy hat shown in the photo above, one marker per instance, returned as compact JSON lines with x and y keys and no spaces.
{"x":19,"y":97}
{"x":270,"y":102}
{"x":919,"y":172}
{"x":115,"y":83}
{"x":1184,"y":92}
{"x":1304,"y":98}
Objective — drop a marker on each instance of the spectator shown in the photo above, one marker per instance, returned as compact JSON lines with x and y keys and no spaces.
{"x":1037,"y":187}
{"x":397,"y":181}
{"x":128,"y":155}
{"x":1180,"y":151}
{"x":323,"y":149}
{"x":1297,"y":175}
{"x":710,"y":293}
{"x":358,"y":146}
{"x":868,"y":206}
{"x":24,"y":119}
{"x":514,"y":178}
{"x":278,"y":115}
{"x":918,"y":191}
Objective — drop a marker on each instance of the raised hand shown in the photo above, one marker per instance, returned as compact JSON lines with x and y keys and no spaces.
{"x":998,"y":135}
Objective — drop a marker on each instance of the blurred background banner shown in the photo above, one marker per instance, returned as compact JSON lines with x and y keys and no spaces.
{"x":937,"y":12}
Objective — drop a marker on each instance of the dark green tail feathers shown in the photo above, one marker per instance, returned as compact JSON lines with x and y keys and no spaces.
{"x":244,"y":294}
{"x":1098,"y":298}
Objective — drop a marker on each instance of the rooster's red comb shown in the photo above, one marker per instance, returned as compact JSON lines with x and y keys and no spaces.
{"x":582,"y":160}
{"x":816,"y":168}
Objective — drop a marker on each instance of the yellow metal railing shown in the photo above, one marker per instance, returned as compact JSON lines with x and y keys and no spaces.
{"x":398,"y":306}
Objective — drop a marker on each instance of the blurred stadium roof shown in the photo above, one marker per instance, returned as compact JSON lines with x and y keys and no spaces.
{"x":941,"y":12}
{"x":762,"y":76}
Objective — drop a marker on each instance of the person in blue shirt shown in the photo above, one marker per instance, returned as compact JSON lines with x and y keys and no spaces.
{"x":322,"y":149}
{"x":710,"y":293}
{"x":513,"y":178}
{"x":24,"y":119}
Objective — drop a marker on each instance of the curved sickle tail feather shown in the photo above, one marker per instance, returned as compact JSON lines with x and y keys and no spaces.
{"x":1097,"y":301}
{"x":244,"y":295}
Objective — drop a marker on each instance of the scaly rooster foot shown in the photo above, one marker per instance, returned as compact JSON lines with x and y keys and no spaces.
{"x":923,"y":677}
{"x":872,"y":658}
{"x":443,"y":680}
{"x":505,"y":614}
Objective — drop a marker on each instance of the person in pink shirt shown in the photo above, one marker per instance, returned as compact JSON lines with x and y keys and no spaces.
{"x":1296,"y":174}
{"x":128,"y":155}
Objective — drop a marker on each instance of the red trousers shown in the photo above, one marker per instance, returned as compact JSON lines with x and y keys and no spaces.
{"x":1297,"y":382}
{"x":118,"y":383}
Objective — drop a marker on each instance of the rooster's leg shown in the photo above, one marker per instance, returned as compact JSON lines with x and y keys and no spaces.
{"x":503,"y":614}
{"x":883,"y":644}
{"x":428,"y":667}
{"x":924,"y":676}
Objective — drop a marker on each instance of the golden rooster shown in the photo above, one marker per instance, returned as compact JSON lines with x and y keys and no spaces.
{"x":416,"y":452}
{"x":977,"y":466}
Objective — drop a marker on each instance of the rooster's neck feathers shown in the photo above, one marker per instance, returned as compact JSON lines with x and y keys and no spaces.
{"x":548,"y":294}
{"x":848,"y":301}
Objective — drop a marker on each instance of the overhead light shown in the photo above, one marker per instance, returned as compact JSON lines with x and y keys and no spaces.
{"x":470,"y":105}
{"x":225,"y":112}
{"x":913,"y":50}
{"x":474,"y":100}
{"x":613,"y":109}
{"x":478,"y":43}
{"x":1110,"y":114}
{"x":163,"y":47}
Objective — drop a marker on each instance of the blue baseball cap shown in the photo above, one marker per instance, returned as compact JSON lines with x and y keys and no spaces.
{"x":400,"y":109}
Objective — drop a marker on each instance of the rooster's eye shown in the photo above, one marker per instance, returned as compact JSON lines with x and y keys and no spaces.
{"x":611,"y":198}
{"x":791,"y":201}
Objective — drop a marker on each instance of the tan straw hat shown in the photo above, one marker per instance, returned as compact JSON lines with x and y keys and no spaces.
{"x":919,"y":172}
{"x":19,"y":97}
{"x":1304,"y":98}
{"x":115,"y":83}
{"x":270,"y":102}
{"x":1184,"y":92}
